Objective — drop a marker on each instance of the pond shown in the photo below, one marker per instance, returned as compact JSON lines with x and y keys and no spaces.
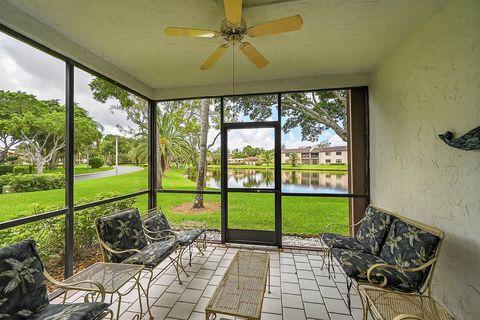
{"x":292,"y":180}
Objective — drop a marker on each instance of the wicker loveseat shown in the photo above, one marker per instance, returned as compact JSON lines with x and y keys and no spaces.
{"x":388,"y":251}
{"x":23,"y":293}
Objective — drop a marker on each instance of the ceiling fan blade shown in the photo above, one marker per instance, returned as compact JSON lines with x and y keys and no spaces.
{"x":233,"y":11}
{"x":254,"y":55}
{"x":199,"y":33}
{"x":287,"y":24}
{"x":214,"y":57}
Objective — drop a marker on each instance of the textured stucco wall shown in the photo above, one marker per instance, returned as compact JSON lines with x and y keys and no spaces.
{"x":427,"y":86}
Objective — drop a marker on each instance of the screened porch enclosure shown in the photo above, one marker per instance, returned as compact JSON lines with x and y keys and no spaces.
{"x":102,"y":110}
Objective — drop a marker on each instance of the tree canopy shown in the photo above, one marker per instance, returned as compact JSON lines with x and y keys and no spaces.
{"x":314,"y":112}
{"x":37,"y":127}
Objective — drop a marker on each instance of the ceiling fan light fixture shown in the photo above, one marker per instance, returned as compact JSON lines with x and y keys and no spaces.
{"x":234,"y":28}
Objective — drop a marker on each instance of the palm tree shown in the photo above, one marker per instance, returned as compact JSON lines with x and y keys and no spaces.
{"x":267,"y":156}
{"x":139,"y":151}
{"x":172,"y":144}
{"x":20,"y":274}
{"x":294,"y":159}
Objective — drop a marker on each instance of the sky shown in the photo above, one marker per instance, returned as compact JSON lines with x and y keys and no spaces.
{"x":24,"y":68}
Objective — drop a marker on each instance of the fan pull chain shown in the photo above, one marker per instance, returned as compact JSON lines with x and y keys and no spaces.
{"x":233,"y":69}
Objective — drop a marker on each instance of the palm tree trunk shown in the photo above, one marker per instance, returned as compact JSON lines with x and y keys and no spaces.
{"x":202,"y":162}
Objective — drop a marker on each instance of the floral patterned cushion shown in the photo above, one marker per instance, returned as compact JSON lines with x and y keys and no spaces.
{"x":22,"y":284}
{"x":356,"y":264}
{"x":408,"y":247}
{"x":184,"y":238}
{"x":157,"y":222}
{"x":153,"y":253}
{"x":122,"y":231}
{"x":73,"y":311}
{"x":373,"y":229}
{"x":333,"y":240}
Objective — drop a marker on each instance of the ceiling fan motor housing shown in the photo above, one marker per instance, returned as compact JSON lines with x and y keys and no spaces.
{"x":229,"y":31}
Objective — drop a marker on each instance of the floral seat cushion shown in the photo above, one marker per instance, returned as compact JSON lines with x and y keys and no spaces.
{"x":73,"y":311}
{"x":333,"y":240}
{"x":153,"y":253}
{"x":22,"y":284}
{"x":157,"y":223}
{"x":408,"y":247}
{"x":373,"y":229}
{"x":187,"y":237}
{"x":356,"y":264}
{"x":122,"y":231}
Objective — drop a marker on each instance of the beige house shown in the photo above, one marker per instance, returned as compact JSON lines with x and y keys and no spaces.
{"x":317,"y":155}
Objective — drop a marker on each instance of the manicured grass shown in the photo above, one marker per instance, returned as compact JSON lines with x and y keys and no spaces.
{"x":305,"y":215}
{"x":81,"y":169}
{"x":310,"y":167}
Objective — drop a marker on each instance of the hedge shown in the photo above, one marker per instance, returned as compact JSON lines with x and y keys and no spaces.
{"x":22,"y":169}
{"x":33,"y":182}
{"x":5,"y":169}
{"x":19,"y":169}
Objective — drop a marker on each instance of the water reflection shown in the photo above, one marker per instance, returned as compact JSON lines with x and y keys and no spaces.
{"x":292,"y":180}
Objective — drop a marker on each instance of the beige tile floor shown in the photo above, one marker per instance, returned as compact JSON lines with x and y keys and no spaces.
{"x":300,"y":288}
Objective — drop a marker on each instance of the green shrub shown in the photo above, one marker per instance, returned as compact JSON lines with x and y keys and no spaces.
{"x":95,"y":162}
{"x":22,"y":169}
{"x":50,"y":233}
{"x":33,"y":182}
{"x":6,"y":169}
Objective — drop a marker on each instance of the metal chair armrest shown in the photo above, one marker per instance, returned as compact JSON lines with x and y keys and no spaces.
{"x":161,"y":238}
{"x":331,"y":225}
{"x":104,"y":245}
{"x":76,"y":285}
{"x":386,"y":265}
{"x":201,"y":225}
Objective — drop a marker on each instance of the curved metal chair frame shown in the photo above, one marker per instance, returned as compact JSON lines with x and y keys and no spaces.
{"x":199,"y":244}
{"x":426,"y":287}
{"x":95,"y":295}
{"x":176,"y":262}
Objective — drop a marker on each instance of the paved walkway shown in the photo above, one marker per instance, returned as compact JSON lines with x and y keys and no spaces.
{"x":109,"y":173}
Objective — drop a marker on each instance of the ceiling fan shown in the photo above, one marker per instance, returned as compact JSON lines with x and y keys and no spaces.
{"x":234,"y":28}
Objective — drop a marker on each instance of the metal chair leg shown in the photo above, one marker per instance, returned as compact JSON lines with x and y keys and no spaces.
{"x":349,"y":301}
{"x":190,"y":255}
{"x":180,"y":261}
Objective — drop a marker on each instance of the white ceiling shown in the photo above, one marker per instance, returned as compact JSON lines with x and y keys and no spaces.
{"x":340,"y":43}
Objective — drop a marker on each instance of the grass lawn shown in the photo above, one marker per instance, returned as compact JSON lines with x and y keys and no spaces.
{"x":319,"y":167}
{"x":82,"y":169}
{"x":306,"y":215}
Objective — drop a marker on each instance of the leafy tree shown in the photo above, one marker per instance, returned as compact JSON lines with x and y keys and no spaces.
{"x":294,"y":159}
{"x":267,"y":156}
{"x":11,"y":105}
{"x":37,"y":127}
{"x":42,"y":131}
{"x":314,"y":112}
{"x":135,"y":107}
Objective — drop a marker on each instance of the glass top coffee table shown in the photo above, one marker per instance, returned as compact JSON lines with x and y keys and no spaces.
{"x":112,"y":276}
{"x":240,"y":292}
